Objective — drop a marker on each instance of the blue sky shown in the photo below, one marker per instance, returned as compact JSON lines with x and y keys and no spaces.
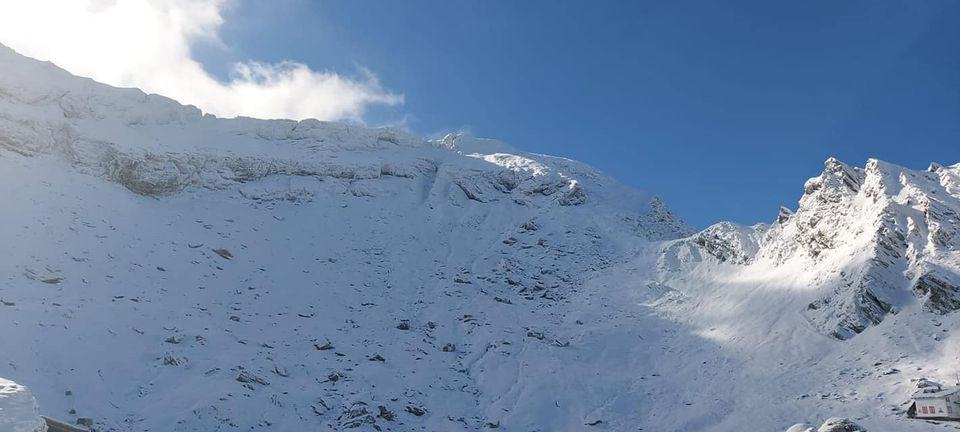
{"x":722,"y":108}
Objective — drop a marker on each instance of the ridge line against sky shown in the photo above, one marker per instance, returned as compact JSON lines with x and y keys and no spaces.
{"x":723,"y":109}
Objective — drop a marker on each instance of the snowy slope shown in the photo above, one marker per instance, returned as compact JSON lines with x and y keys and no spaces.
{"x":123,"y":208}
{"x":179,"y":272}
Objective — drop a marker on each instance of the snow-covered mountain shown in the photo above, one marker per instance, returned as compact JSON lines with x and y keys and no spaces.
{"x":169,"y":270}
{"x":883,"y":236}
{"x":873,"y":241}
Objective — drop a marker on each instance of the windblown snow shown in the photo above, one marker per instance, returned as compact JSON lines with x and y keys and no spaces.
{"x":169,"y":270}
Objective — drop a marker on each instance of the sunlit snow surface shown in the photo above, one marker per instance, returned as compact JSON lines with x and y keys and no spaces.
{"x":185,"y":273}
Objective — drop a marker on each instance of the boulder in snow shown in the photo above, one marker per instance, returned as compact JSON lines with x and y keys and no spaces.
{"x":837,"y":424}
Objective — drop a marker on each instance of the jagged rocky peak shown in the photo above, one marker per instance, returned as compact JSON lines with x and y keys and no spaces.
{"x":883,"y":235}
{"x":724,"y":243}
{"x":729,"y":242}
{"x":837,"y":180}
{"x":659,"y":222}
{"x":849,"y":204}
{"x":784,"y":215}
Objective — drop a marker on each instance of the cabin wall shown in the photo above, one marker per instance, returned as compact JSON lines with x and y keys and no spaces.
{"x":937,"y":406}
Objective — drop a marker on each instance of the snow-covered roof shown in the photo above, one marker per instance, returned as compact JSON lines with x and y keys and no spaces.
{"x":947,"y":391}
{"x":924,"y":382}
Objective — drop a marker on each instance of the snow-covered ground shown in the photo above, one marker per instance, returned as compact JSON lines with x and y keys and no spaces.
{"x":166,"y":270}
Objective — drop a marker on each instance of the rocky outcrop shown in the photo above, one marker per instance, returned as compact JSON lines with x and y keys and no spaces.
{"x":667,"y":225}
{"x":835,"y":424}
{"x":784,"y":215}
{"x":869,"y":231}
{"x":940,"y":295}
{"x":729,"y":242}
{"x":874,"y":240}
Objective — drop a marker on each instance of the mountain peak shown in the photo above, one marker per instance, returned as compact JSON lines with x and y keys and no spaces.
{"x":900,"y":223}
{"x":783,"y":215}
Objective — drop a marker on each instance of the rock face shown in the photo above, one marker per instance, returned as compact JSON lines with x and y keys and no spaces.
{"x":876,"y":232}
{"x":729,"y":242}
{"x":940,"y":294}
{"x":18,"y":409}
{"x":837,"y":424}
{"x":834,"y":424}
{"x":876,"y":239}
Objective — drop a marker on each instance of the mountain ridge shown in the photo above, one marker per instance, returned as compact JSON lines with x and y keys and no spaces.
{"x":273,"y":274}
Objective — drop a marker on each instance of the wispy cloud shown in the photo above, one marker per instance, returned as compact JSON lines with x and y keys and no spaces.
{"x":146,"y":44}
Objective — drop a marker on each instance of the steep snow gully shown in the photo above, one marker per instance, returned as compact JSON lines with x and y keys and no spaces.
{"x":168,"y":270}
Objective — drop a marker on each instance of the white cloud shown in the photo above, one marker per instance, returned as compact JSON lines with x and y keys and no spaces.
{"x":146,"y":44}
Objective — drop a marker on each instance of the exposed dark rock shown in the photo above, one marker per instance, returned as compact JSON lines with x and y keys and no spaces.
{"x":784,"y":215}
{"x":150,"y":176}
{"x":281,"y":371}
{"x":415,"y":410}
{"x":385,"y":413}
{"x":51,"y":279}
{"x":325,"y":347}
{"x":574,"y":195}
{"x":852,"y":315}
{"x":169,"y":360}
{"x":470,"y":190}
{"x":249,"y":378}
{"x":535,"y":334}
{"x":840,"y":425}
{"x":941,"y":296}
{"x":669,"y":225}
{"x":356,"y":416}
{"x":529,"y":225}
